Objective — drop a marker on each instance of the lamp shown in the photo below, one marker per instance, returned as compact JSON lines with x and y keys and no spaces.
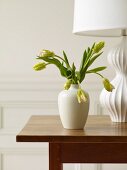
{"x":107,"y":18}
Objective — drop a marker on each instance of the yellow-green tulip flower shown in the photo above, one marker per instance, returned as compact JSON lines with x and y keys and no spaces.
{"x":98,"y":46}
{"x":81,"y":96}
{"x":39,"y":66}
{"x":67,"y":84}
{"x":107,"y":85}
{"x":46,"y":53}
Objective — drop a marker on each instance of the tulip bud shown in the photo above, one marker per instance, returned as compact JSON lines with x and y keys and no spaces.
{"x":107,"y":85}
{"x":81,"y":96}
{"x":39,"y":66}
{"x":98,"y":47}
{"x":46,"y":53}
{"x":67,"y":84}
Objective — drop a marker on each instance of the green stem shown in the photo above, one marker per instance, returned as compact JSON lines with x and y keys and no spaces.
{"x":95,"y":73}
{"x":79,"y":85}
{"x":73,"y":81}
{"x":48,"y":64}
{"x":99,"y":75}
{"x":60,"y":58}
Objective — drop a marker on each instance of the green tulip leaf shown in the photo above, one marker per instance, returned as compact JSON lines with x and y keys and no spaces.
{"x":96,"y":69}
{"x":66,"y":60}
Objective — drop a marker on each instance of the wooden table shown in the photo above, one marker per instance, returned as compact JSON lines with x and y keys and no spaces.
{"x":100,"y":142}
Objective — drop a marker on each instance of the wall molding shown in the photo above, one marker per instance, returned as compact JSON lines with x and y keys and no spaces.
{"x":35,"y":82}
{"x":77,"y":167}
{"x":83,"y":167}
{"x":98,"y":167}
{"x":26,"y":151}
{"x":50,"y":105}
{"x":1,"y":117}
{"x":27,"y":104}
{"x":1,"y":161}
{"x":36,"y":151}
{"x":21,"y":151}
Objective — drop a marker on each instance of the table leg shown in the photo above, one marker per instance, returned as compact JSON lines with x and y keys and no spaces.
{"x":55,"y":157}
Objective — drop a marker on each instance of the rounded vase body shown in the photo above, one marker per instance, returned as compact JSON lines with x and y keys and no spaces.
{"x":72,"y":113}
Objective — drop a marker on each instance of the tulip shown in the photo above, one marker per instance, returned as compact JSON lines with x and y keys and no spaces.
{"x":67,"y":84}
{"x":39,"y":66}
{"x":107,"y":85}
{"x":46,"y":53}
{"x":81,"y":96}
{"x":98,"y":47}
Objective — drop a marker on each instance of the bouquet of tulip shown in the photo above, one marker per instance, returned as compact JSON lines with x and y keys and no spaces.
{"x":69,"y":71}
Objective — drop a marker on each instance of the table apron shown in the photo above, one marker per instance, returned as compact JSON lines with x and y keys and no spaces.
{"x":93,"y":152}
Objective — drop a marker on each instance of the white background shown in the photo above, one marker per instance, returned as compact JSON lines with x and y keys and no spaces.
{"x":26,"y":27}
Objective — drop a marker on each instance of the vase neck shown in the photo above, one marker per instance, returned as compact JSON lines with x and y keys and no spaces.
{"x":74,"y":86}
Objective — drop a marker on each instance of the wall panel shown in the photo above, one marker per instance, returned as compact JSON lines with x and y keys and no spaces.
{"x":16,"y":108}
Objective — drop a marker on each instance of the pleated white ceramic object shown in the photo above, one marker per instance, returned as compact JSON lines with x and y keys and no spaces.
{"x":116,"y":101}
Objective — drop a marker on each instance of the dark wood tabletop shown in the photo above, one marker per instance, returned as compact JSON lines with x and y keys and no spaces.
{"x":101,"y":141}
{"x":49,"y":129}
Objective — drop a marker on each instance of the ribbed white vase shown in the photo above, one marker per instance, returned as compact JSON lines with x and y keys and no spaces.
{"x":72,"y":113}
{"x":116,"y":101}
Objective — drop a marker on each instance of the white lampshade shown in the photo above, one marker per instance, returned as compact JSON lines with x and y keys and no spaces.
{"x":100,"y":17}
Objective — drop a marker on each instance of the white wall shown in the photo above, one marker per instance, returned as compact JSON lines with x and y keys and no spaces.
{"x":26,"y":26}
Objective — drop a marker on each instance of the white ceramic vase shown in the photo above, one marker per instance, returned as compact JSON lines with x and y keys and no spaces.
{"x":72,"y":113}
{"x":116,"y":101}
